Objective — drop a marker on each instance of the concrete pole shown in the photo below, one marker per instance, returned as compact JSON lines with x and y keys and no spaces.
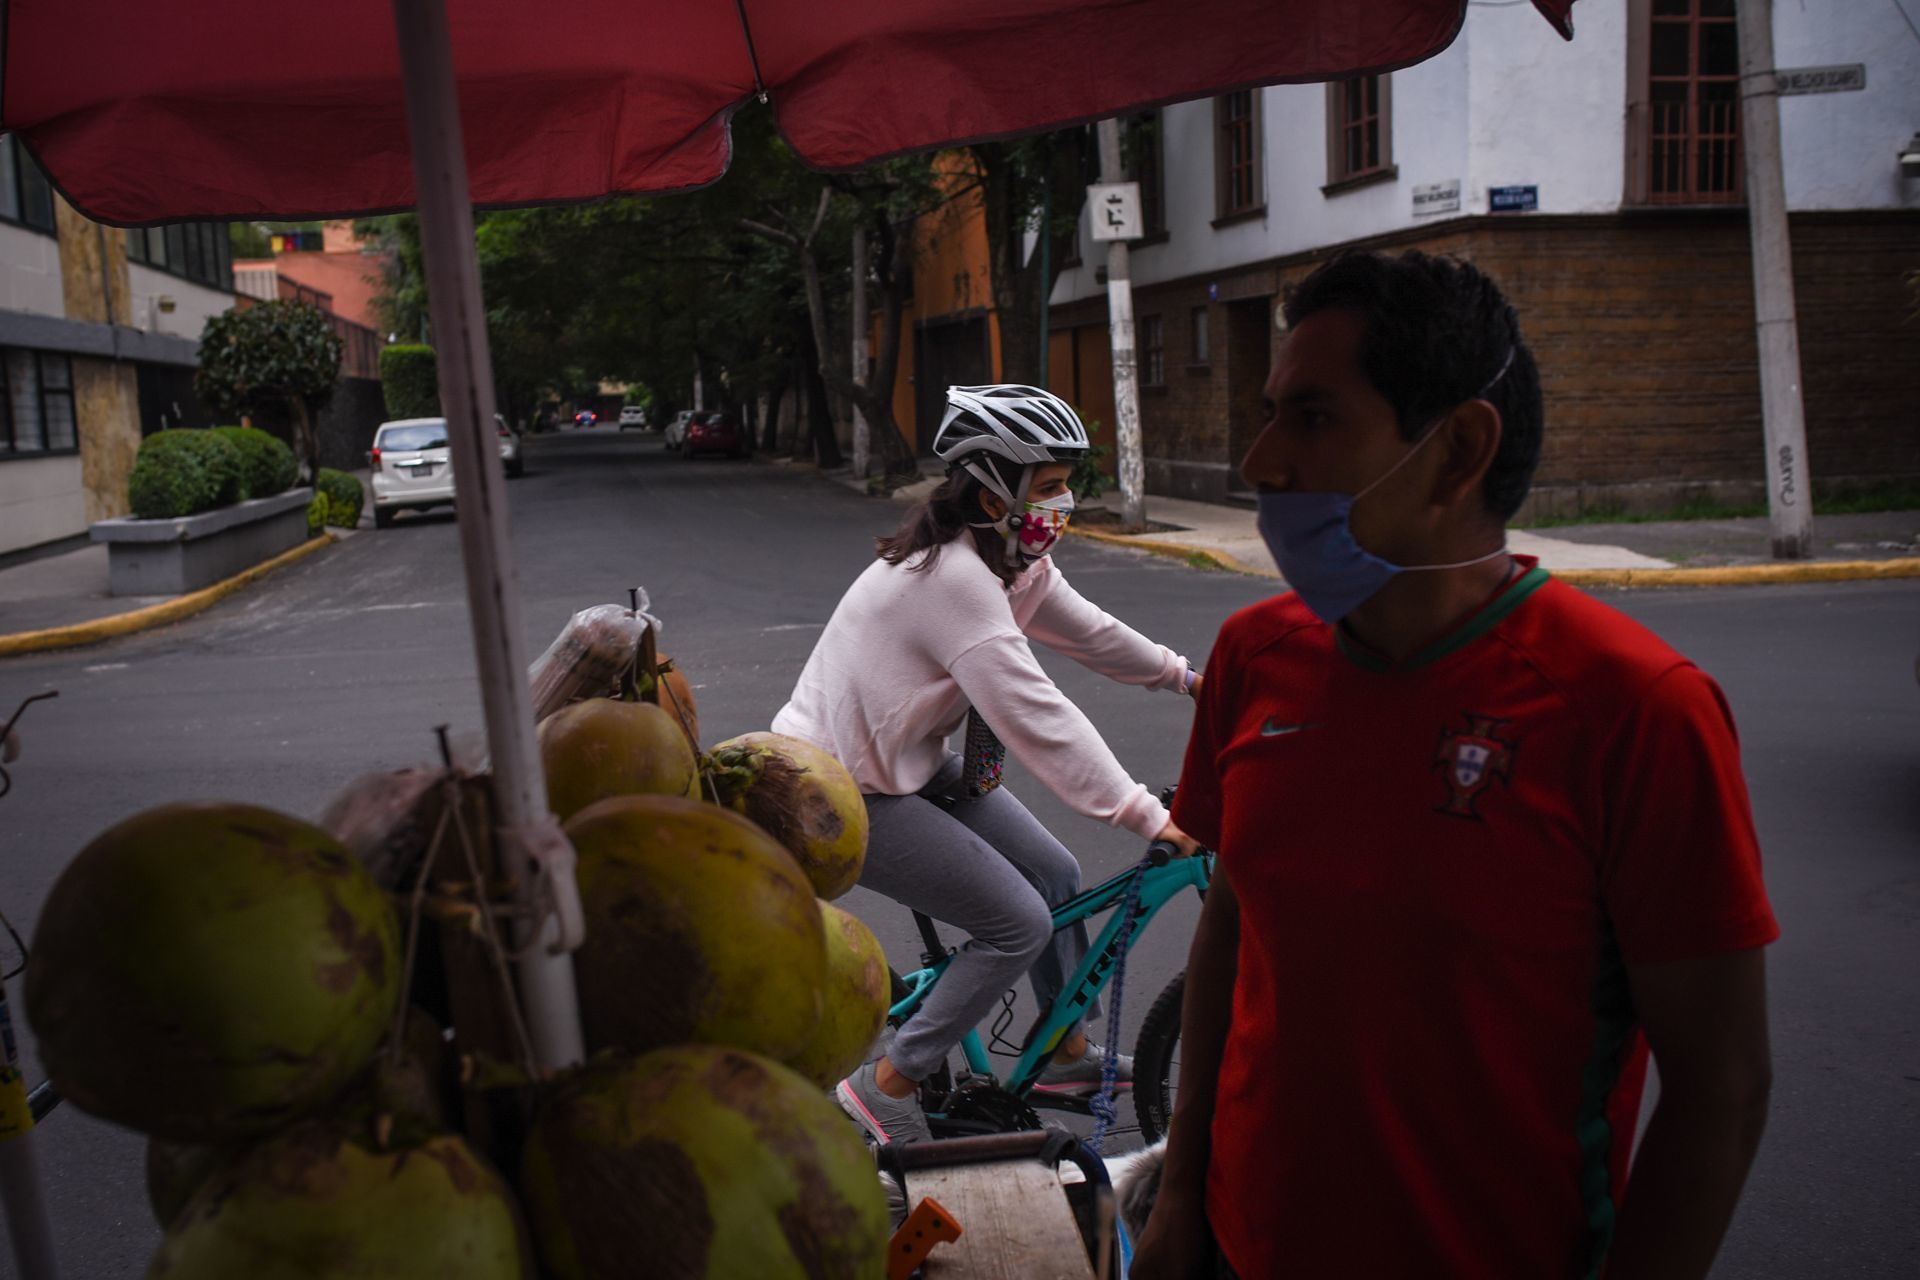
{"x":1126,"y":372}
{"x":545,"y":973}
{"x":862,"y":443}
{"x":1789,"y":490}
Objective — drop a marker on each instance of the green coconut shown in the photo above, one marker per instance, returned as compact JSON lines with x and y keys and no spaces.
{"x":203,"y":972}
{"x":175,"y":1170}
{"x":310,"y":1203}
{"x":853,"y":1003}
{"x":701,"y":1163}
{"x":804,"y":798}
{"x":700,"y":930}
{"x":603,"y":747}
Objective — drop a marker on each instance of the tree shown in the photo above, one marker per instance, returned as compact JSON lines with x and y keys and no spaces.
{"x":274,"y":355}
{"x":1030,"y":187}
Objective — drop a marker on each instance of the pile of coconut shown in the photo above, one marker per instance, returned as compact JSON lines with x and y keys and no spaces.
{"x":313,"y":1022}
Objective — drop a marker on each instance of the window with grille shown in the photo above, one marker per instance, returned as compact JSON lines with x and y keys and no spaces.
{"x":1689,"y":115}
{"x":1237,"y":152}
{"x":1359,"y":128}
{"x":1153,"y":352}
{"x":198,"y":251}
{"x":26,"y":197}
{"x":36,"y":404}
{"x":1144,"y":167}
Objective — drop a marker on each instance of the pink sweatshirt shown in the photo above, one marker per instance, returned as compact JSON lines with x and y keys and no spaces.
{"x":906,"y":653}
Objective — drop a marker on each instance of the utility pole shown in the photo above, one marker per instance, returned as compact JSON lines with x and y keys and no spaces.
{"x":1126,"y":372}
{"x":862,"y":444}
{"x":1789,"y":491}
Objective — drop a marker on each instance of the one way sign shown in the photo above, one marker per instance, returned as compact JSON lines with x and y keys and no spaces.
{"x":1116,"y":210}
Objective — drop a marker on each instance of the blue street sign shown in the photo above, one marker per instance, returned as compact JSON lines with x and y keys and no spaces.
{"x":1513,"y":199}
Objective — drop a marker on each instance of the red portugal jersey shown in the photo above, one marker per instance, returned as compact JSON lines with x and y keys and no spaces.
{"x":1442,"y":868}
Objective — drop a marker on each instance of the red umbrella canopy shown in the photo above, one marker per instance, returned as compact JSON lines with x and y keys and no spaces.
{"x":222,"y":109}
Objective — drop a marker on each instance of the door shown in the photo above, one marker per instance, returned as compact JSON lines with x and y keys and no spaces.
{"x":952,"y":352}
{"x":1249,"y":359}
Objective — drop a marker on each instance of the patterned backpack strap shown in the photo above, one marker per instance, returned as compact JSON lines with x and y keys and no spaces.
{"x":982,"y":759}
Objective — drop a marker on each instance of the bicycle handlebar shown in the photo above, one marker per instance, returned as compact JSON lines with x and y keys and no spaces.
{"x":1161,"y":852}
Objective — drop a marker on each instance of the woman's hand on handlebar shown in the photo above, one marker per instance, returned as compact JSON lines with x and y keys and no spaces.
{"x":1179,"y":839}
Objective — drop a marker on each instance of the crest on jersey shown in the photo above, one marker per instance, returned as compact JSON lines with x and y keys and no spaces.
{"x":1469,"y":760}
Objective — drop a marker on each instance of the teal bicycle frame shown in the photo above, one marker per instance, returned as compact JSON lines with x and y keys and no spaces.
{"x":1159,"y":884}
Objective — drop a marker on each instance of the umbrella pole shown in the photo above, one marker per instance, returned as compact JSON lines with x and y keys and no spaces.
{"x":545,"y":973}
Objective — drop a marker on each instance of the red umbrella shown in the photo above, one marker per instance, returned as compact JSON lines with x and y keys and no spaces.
{"x":235,"y":113}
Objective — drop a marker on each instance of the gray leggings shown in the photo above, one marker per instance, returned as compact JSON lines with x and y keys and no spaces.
{"x":986,"y":866}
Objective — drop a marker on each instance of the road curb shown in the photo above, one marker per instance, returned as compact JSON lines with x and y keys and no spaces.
{"x":153,"y":615}
{"x":1732,"y":575}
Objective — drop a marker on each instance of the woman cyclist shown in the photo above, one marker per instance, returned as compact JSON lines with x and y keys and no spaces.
{"x":939,"y":624}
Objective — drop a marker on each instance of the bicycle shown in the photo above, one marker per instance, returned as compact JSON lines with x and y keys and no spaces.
{"x":977,"y":1102}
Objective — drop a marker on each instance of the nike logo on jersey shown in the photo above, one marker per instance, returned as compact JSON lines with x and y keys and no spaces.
{"x":1272,"y":730}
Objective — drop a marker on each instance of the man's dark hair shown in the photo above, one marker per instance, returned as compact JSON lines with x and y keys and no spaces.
{"x":1436,"y":331}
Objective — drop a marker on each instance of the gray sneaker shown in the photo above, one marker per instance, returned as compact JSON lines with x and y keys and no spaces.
{"x":887,"y":1118}
{"x":1082,"y":1075}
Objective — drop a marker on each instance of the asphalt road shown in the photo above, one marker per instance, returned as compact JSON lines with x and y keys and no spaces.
{"x":344,"y":663}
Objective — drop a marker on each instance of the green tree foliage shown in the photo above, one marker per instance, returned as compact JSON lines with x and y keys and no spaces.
{"x":410,"y":381}
{"x":184,"y":471}
{"x":281,"y":354}
{"x":343,"y":495}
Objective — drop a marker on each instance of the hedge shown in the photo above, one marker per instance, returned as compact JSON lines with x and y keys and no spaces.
{"x":267,"y":466}
{"x":182,"y":471}
{"x":316,"y":514}
{"x":409,"y":380}
{"x":344,"y":497}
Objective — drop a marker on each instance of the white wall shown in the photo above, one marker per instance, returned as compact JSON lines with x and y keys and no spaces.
{"x":1841,"y":150}
{"x":194,"y":303}
{"x":1512,"y":104}
{"x":30,"y":272}
{"x":40,"y":499}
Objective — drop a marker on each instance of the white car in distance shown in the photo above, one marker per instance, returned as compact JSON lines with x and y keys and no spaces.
{"x":413,"y":467}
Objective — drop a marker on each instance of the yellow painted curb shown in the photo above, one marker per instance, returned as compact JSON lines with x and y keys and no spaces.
{"x":154,"y":615}
{"x":1732,"y":575}
{"x":1174,"y":551}
{"x":1745,"y":575}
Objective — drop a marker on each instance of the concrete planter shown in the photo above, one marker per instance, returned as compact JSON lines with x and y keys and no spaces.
{"x":169,"y":557}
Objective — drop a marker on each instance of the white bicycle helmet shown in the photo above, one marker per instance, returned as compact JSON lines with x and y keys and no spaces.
{"x":1019,"y":424}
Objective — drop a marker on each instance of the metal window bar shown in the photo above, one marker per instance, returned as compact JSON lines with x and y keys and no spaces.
{"x":1693,"y":156}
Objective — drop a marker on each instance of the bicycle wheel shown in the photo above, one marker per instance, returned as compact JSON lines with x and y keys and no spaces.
{"x":1156,"y":1062}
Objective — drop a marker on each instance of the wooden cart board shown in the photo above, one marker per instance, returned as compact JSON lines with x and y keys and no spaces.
{"x":1014,"y":1219}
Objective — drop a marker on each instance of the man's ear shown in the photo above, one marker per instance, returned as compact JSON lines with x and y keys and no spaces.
{"x":1469,"y":442}
{"x":993,"y":504}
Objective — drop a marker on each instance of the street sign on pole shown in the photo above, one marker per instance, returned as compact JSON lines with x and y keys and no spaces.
{"x":1790,"y":82}
{"x":1116,"y":211}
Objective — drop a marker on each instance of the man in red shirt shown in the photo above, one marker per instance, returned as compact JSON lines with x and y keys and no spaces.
{"x":1483,"y":842}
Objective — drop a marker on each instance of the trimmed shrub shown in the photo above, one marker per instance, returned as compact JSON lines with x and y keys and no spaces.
{"x":316,"y":514}
{"x":409,"y":380}
{"x":181,"y":471}
{"x":267,"y":466}
{"x":344,"y":497}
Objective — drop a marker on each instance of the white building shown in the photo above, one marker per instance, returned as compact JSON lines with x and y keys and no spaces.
{"x":99,"y":330}
{"x":1600,"y":183}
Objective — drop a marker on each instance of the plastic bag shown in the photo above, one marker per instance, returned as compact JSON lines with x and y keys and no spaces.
{"x":589,"y":655}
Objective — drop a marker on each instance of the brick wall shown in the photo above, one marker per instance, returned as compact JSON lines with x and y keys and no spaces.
{"x":1642,"y":324}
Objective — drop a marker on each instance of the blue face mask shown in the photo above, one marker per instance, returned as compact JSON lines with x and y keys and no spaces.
{"x":1311,"y":538}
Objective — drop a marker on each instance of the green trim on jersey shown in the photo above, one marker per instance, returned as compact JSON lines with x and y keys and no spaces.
{"x":1613,"y":1025}
{"x":1465,"y":634}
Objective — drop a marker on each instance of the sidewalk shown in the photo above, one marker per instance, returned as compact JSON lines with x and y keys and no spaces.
{"x":1667,"y":553}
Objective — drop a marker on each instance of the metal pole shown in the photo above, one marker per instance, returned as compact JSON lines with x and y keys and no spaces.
{"x":1126,"y":373}
{"x":466,"y":396}
{"x":862,"y":441}
{"x":1046,"y":272}
{"x":27,"y":1223}
{"x":1789,"y":492}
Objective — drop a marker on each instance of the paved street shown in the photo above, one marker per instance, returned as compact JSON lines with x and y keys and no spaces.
{"x":344,"y":663}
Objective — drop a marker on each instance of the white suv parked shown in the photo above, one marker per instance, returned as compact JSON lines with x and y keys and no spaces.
{"x":632,"y":415}
{"x":413,"y":468}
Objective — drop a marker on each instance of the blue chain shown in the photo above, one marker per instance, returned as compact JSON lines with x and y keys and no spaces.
{"x":1102,"y":1104}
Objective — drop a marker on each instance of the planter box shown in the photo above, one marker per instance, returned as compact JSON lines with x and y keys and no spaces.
{"x":186,"y":553}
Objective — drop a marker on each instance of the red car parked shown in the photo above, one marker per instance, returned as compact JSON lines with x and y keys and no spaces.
{"x":714,"y":433}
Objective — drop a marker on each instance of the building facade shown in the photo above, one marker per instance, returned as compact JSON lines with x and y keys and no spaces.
{"x":1600,"y":183}
{"x":99,"y":330}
